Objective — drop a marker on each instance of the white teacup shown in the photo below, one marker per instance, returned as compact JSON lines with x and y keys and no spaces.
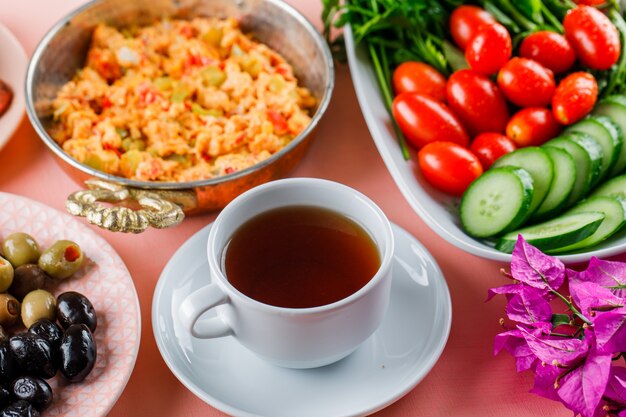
{"x":293,"y":337}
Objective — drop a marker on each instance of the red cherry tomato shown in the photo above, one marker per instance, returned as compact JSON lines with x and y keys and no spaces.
{"x":489,"y":50}
{"x":477,"y":101}
{"x":449,"y":167}
{"x":592,"y":35}
{"x":424,"y":120}
{"x":526,"y":83}
{"x":590,"y":2}
{"x":532,"y":126}
{"x":417,"y":77}
{"x":550,"y":49}
{"x":466,"y":21}
{"x":488,"y":147}
{"x":574,"y":97}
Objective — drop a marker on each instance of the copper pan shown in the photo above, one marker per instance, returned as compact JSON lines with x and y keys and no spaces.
{"x":62,"y":51}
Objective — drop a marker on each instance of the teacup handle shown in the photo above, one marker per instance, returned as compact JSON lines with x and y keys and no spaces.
{"x":198,"y":303}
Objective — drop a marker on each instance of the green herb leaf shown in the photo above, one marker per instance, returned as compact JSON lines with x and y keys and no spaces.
{"x":531,"y":9}
{"x":559,"y":319}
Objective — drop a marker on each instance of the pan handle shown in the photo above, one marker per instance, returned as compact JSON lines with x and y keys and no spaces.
{"x":157,"y":210}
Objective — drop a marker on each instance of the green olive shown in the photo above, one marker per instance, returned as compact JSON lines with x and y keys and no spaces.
{"x":37,"y":305}
{"x":62,"y":259}
{"x":9,"y":309}
{"x":20,"y":248}
{"x":6,"y":274}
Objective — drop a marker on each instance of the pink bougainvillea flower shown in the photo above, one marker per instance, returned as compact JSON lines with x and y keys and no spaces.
{"x":507,"y":340}
{"x":513,"y":342}
{"x":581,"y":389}
{"x":589,"y":295}
{"x":534,"y":268}
{"x":508,"y":290}
{"x":555,"y":351}
{"x":616,"y":385}
{"x":545,"y":377}
{"x":575,"y":353}
{"x":609,"y":274}
{"x":528,"y":307}
{"x":610,"y":330}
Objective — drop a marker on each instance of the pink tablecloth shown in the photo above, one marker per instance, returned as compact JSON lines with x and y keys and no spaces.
{"x":467,"y":381}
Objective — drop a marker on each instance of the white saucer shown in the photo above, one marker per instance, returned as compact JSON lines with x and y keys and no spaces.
{"x":387,"y":366}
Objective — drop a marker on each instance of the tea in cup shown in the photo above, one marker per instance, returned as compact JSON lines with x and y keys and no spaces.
{"x":301,"y":272}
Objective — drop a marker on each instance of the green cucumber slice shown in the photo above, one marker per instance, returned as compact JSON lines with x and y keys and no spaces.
{"x":562,"y":183}
{"x":593,"y":148}
{"x":587,"y":164}
{"x":614,"y":219}
{"x":497,"y":201}
{"x":538,"y":164}
{"x":608,"y":136}
{"x":614,"y":107}
{"x":556,"y":233}
{"x":615,"y":187}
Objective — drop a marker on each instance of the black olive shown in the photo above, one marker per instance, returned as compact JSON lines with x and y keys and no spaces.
{"x":33,"y":355}
{"x":5,"y":397}
{"x":49,"y":331}
{"x":75,"y":308}
{"x":77,"y":354}
{"x":20,"y":409}
{"x":26,"y":278}
{"x":8,"y":367}
{"x":36,"y":391}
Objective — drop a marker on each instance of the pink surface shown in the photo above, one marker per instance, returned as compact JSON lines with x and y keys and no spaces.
{"x":467,"y":381}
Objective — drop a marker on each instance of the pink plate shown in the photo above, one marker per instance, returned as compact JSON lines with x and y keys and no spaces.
{"x":107,"y":283}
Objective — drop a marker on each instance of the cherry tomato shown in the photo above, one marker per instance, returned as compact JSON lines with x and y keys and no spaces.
{"x":526,"y":83}
{"x":592,"y":35}
{"x":449,"y":167}
{"x":590,"y":2}
{"x":550,"y":49}
{"x":574,"y":97}
{"x":417,"y":77}
{"x":466,"y":21}
{"x":489,"y":50}
{"x":532,"y":126}
{"x":477,"y":101}
{"x":424,"y":120}
{"x":488,"y":147}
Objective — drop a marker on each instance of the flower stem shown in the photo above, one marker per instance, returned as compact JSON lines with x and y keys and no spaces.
{"x":569,"y":336}
{"x":573,"y":309}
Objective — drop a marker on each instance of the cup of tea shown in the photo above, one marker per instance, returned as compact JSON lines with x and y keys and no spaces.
{"x":301,"y":272}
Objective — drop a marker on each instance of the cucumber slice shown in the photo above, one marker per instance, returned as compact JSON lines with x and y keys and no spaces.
{"x":562,"y":183}
{"x":607,"y":134}
{"x":614,"y":107}
{"x":556,"y":233}
{"x":615,"y":187}
{"x":498,"y":201}
{"x":538,"y":164}
{"x":614,"y":219}
{"x":593,"y":148}
{"x":587,"y":164}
